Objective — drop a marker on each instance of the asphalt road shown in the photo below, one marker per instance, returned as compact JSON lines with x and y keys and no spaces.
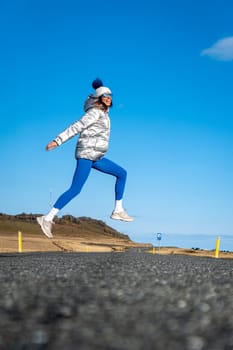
{"x":115,"y":301}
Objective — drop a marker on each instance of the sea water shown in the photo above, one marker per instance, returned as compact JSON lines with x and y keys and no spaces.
{"x":201,"y":241}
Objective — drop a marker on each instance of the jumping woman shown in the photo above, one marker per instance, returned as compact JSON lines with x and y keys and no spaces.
{"x":94,"y":130}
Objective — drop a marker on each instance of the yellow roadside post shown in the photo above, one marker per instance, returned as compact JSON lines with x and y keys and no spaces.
{"x":217,"y":247}
{"x":20,"y":243}
{"x":153,"y":251}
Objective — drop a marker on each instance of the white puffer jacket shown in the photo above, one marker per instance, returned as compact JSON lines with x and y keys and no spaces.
{"x":94,"y":130}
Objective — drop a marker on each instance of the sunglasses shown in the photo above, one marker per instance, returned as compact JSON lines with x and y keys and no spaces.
{"x":107,"y":95}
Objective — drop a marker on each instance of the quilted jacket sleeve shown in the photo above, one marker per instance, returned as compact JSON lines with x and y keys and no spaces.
{"x":77,"y":127}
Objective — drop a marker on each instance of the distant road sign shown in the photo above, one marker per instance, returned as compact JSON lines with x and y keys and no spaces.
{"x":159,"y":236}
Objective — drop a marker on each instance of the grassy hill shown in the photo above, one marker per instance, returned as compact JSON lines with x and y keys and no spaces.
{"x":70,"y":234}
{"x":68,"y":225}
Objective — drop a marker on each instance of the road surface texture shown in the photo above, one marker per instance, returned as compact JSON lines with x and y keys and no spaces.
{"x":115,"y":301}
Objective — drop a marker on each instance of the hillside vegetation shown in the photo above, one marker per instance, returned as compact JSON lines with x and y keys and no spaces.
{"x":68,"y":225}
{"x":70,"y":234}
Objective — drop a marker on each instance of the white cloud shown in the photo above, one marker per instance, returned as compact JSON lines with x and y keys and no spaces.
{"x":222,"y":50}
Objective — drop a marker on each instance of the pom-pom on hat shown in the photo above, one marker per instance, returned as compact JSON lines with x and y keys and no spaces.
{"x":97,"y":84}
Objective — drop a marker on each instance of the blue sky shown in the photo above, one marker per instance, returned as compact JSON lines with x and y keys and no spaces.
{"x":170,"y":67}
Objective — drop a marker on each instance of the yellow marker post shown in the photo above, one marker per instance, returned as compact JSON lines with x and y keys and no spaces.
{"x":20,"y":243}
{"x":153,"y":251}
{"x":217,"y":247}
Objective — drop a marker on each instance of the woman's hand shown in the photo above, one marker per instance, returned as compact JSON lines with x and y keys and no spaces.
{"x":51,"y":145}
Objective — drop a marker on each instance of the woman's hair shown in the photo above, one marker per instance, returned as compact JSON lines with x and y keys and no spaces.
{"x":99,"y":104}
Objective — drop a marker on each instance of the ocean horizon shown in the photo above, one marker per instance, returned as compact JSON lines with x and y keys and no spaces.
{"x":201,"y":241}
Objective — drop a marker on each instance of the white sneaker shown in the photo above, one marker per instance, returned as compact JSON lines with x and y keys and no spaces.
{"x":46,"y":226}
{"x":122,"y":215}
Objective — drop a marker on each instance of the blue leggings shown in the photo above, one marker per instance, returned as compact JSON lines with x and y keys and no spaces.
{"x":82,"y":172}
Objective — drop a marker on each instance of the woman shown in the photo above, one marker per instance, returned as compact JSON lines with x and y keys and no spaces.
{"x":94,"y":130}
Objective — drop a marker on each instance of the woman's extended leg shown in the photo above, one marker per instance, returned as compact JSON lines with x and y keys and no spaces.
{"x":81,"y":174}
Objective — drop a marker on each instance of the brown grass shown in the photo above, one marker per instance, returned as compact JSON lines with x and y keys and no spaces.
{"x":192,"y":252}
{"x":70,"y":234}
{"x":78,"y":235}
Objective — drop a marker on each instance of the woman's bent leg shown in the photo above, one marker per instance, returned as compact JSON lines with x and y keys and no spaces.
{"x":108,"y":167}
